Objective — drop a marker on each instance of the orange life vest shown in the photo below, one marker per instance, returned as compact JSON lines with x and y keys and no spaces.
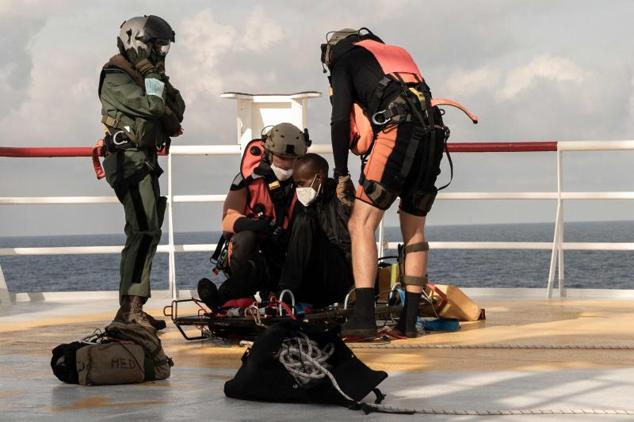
{"x":259,"y":198}
{"x":396,"y":62}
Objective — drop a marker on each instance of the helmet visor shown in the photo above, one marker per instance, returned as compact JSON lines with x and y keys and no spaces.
{"x":162,"y":47}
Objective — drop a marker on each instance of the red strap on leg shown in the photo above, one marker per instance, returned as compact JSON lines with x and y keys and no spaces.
{"x":98,"y":151}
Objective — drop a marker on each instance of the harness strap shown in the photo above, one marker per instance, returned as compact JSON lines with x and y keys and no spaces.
{"x":446,"y":148}
{"x":416,"y":247}
{"x":413,"y":280}
{"x":111,"y":122}
{"x":432,"y":147}
{"x":97,"y":151}
{"x":219,"y":247}
{"x":377,"y":95}
{"x":412,"y":146}
{"x":278,"y":194}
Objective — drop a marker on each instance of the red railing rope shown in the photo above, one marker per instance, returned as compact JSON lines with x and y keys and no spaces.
{"x":30,"y":152}
{"x":26,"y":152}
{"x":34,"y":152}
{"x":503,"y":146}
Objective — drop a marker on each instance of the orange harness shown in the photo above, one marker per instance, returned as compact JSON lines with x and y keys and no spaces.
{"x":260,"y":202}
{"x":396,"y":63}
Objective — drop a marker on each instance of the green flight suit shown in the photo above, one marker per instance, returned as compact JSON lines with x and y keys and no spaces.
{"x":132,"y":168}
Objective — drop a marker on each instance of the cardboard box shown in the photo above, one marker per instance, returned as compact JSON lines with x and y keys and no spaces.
{"x":451,"y":302}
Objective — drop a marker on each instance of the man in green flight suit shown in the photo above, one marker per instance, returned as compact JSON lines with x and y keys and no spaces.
{"x":141,"y":110}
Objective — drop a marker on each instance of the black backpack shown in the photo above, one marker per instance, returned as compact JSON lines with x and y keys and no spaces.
{"x":262,"y":377}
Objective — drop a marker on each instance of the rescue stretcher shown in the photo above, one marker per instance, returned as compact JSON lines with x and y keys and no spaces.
{"x":247,"y":321}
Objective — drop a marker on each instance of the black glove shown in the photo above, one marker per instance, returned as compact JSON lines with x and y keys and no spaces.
{"x":274,"y":231}
{"x":170,"y":122}
{"x":140,"y":59}
{"x":267,"y":227}
{"x":250,"y":224}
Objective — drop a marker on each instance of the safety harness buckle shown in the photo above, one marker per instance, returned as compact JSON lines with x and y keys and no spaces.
{"x":123,"y":138}
{"x":380,"y":118}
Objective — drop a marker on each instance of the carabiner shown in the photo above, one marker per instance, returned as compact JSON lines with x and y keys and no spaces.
{"x":384,"y":120}
{"x":114,"y":139}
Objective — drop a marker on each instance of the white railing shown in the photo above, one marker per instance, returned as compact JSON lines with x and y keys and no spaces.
{"x":557,"y":246}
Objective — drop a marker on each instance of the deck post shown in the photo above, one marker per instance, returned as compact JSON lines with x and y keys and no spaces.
{"x":556,"y":256}
{"x":5,"y":297}
{"x":170,"y":224}
{"x":560,"y":238}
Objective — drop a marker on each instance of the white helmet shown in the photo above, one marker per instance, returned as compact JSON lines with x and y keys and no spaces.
{"x":141,"y":31}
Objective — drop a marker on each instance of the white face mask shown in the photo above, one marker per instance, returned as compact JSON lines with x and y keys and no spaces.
{"x":308,"y":194}
{"x":280,"y":173}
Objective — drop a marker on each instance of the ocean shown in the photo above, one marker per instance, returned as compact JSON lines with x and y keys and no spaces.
{"x":465,"y":268}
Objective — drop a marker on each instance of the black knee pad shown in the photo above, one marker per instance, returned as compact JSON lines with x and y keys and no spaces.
{"x":378,"y":194}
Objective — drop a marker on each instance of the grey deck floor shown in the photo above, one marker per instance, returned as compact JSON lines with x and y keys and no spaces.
{"x":421,"y":378}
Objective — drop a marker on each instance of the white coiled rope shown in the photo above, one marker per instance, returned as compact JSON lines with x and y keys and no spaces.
{"x":306,"y":361}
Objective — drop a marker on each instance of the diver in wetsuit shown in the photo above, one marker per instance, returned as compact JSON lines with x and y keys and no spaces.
{"x":380,"y":83}
{"x":257,"y":215}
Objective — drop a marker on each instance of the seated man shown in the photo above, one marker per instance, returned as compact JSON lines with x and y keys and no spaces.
{"x":257,"y":214}
{"x":318,"y":269}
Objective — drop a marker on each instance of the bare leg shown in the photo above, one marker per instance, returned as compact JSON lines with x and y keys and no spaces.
{"x":363,"y":223}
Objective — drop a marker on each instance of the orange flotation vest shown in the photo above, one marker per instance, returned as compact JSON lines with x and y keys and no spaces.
{"x":263,"y":191}
{"x":396,"y":63}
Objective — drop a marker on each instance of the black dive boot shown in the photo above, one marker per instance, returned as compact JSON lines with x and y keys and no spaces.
{"x":208,"y":293}
{"x":406,"y":324}
{"x":362,"y":324}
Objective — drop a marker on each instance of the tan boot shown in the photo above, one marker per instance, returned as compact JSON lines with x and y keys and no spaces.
{"x":131,"y":310}
{"x":158,"y":324}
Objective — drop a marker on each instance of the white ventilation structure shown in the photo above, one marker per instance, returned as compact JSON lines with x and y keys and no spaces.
{"x":256,"y":111}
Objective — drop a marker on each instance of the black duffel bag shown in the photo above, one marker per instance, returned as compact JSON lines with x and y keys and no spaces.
{"x":339,"y":377}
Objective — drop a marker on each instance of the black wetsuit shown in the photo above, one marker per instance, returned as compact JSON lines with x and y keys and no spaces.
{"x":354,"y":78}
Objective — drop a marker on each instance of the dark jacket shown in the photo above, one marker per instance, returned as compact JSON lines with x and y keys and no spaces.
{"x":333,"y":217}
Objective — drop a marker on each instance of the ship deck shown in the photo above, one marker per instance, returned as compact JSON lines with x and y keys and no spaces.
{"x":469,"y":375}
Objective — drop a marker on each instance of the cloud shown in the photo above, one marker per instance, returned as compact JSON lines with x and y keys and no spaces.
{"x":207,"y":44}
{"x":468,"y":82}
{"x":202,"y":42}
{"x":507,"y":61}
{"x":261,"y":32}
{"x":213,"y":55}
{"x":545,"y":67}
{"x":16,"y":63}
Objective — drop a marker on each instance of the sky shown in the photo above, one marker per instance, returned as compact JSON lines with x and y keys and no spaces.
{"x":532,"y":70}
